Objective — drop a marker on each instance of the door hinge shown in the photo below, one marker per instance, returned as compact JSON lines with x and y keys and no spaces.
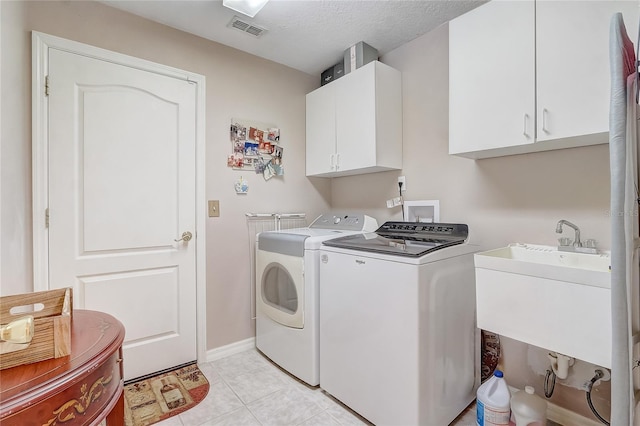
{"x":46,"y":85}
{"x":46,"y":217}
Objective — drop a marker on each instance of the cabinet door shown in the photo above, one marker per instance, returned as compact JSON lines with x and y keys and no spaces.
{"x":321,"y":131}
{"x":573,"y":65}
{"x":491,"y":77}
{"x":356,"y":119}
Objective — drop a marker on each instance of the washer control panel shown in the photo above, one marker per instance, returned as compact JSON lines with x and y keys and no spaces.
{"x":345,"y":222}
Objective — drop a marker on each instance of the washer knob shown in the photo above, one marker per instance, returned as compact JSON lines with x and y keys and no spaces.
{"x":336,"y":220}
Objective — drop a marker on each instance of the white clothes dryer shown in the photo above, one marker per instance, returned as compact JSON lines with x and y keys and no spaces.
{"x":287,"y":302}
{"x":398,"y":337}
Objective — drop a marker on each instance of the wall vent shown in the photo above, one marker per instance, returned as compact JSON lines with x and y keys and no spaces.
{"x":246,"y":27}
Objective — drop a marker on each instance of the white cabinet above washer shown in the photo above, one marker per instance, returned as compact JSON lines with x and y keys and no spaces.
{"x":354,"y":124}
{"x":527,"y":76}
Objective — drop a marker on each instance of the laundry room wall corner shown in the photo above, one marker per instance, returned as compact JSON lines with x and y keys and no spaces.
{"x":238,"y":85}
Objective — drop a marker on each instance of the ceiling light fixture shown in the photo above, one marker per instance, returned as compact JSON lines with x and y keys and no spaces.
{"x":246,"y":7}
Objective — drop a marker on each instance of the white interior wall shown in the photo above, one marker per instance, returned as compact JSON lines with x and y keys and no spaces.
{"x":15,"y":169}
{"x":518,"y":198}
{"x":239,"y":85}
{"x":1,"y":177}
{"x":508,"y":199}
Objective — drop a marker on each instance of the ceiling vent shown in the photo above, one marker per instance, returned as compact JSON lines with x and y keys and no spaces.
{"x":246,"y":27}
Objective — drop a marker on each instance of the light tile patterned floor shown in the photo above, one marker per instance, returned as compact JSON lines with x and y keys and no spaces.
{"x":248,"y":389}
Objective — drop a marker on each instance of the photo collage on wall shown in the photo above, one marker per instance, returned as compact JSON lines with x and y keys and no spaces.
{"x":256,"y":147}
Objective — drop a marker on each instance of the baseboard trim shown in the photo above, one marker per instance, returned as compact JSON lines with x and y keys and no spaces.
{"x":231,"y":349}
{"x":567,"y":417}
{"x":563,"y":416}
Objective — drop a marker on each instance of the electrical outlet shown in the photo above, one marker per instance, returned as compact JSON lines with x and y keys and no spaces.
{"x":214,"y":208}
{"x":403,"y":180}
{"x":394,"y":202}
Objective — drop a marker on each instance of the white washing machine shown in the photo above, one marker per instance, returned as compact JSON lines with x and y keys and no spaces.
{"x":398,"y":337}
{"x":287,"y":277}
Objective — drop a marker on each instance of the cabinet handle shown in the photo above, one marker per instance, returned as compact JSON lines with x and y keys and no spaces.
{"x":332,"y":161}
{"x":337,"y":162}
{"x":544,"y":120}
{"x":524,"y":125}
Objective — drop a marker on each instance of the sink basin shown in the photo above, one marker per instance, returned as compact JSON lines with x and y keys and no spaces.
{"x":549,"y":262}
{"x":556,"y":300}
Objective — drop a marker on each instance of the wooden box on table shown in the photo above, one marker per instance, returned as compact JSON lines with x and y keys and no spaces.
{"x":51,"y":311}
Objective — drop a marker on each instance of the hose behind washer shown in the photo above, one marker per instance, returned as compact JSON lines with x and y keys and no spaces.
{"x":594,"y":379}
{"x":548,"y":389}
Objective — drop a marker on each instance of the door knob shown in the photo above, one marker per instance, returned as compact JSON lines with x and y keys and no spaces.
{"x":186,"y":237}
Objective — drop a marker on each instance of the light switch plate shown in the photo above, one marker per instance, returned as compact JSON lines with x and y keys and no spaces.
{"x":214,"y":208}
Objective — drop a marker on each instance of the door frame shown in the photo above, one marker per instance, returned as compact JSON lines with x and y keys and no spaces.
{"x":41,"y":43}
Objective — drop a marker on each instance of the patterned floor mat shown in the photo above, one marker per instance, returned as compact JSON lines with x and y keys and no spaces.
{"x":157,"y":398}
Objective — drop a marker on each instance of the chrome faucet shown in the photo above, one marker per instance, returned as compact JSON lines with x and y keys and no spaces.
{"x":576,"y":241}
{"x":565,"y":245}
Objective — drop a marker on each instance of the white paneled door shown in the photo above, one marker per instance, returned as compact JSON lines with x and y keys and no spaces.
{"x":122,"y":177}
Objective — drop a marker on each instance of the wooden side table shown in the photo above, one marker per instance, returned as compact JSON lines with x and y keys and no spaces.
{"x":84,"y":388}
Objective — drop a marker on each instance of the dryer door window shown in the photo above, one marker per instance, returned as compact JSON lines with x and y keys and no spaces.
{"x":279,"y":290}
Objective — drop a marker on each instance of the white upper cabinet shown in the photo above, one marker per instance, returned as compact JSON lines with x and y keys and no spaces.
{"x":354,"y":124}
{"x":572,"y":65}
{"x":491,"y":77}
{"x":321,"y":130}
{"x":527,"y":76}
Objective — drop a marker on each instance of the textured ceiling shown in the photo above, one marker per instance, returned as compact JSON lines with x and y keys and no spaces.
{"x":308,"y":35}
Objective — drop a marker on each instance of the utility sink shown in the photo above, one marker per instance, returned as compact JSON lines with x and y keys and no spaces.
{"x":549,"y":262}
{"x":557,"y":300}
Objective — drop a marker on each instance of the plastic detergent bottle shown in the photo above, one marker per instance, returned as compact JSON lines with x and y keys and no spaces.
{"x":493,"y":402}
{"x":528,"y":408}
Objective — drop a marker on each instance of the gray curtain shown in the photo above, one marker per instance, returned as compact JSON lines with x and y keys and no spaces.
{"x":624,"y":209}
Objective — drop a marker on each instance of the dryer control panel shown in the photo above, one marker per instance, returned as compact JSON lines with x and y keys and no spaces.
{"x":346,"y":222}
